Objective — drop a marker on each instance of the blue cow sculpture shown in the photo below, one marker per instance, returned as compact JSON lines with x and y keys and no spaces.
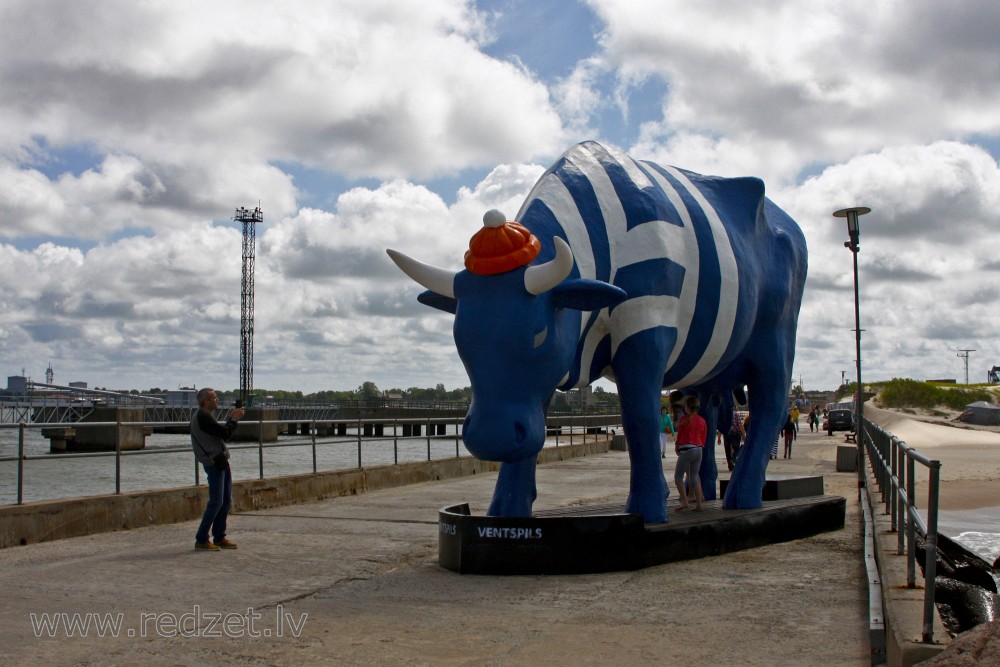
{"x":650,"y":276}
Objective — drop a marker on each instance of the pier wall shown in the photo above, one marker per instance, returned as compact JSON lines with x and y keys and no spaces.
{"x":903,"y":607}
{"x":58,"y":519}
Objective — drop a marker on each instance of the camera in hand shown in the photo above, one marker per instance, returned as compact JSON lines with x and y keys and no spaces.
{"x":238,"y":404}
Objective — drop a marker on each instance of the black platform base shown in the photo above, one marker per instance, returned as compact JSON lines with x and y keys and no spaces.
{"x":780,"y":487}
{"x":602,"y":538}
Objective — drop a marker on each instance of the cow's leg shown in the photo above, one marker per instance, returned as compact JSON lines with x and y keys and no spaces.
{"x":709,"y":472}
{"x":638,"y":366}
{"x":768,"y":389}
{"x":515,"y":490}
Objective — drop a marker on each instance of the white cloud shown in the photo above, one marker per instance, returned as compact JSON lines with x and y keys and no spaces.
{"x":130,"y":127}
{"x":191,"y":106}
{"x":579,"y":98}
{"x":924,"y":248}
{"x":808,"y":83}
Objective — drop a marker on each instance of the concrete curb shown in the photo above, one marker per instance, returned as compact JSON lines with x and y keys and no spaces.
{"x":58,"y":519}
{"x":903,"y":607}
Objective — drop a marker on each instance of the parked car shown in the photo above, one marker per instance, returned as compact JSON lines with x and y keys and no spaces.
{"x":839,"y":420}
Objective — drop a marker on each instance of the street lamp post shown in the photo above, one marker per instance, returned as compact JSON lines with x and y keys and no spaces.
{"x":854,"y":245}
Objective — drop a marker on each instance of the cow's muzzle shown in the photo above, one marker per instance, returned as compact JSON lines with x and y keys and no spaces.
{"x":504,"y":434}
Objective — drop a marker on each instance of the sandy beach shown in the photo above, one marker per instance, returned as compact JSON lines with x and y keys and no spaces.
{"x":969,"y":509}
{"x":969,"y":456}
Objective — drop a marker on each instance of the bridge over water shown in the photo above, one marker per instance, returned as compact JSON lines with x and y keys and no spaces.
{"x":70,"y":423}
{"x":95,"y":426}
{"x":61,"y":411}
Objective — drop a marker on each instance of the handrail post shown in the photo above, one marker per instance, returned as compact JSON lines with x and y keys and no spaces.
{"x":880,"y":453}
{"x":890,"y":480}
{"x":882,"y":463}
{"x":930,"y":545}
{"x":360,"y":428}
{"x":457,"y":429}
{"x":118,"y":457}
{"x":395,"y":440}
{"x":893,"y":525}
{"x":260,"y":443}
{"x":20,"y":464}
{"x":911,"y":524}
{"x":314,"y":445}
{"x":900,"y":501}
{"x":861,"y":458}
{"x":427,"y":427}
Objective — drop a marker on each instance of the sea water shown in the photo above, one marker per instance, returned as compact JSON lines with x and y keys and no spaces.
{"x":977,"y":530}
{"x":48,"y":477}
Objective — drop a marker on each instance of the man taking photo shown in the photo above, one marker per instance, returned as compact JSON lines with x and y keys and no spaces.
{"x":208,"y":440}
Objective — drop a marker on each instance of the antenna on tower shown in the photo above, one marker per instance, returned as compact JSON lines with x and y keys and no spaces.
{"x":248,"y":218}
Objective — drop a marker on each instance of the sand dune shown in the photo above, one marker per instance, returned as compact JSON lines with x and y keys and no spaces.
{"x":924,"y":436}
{"x":970,"y":458}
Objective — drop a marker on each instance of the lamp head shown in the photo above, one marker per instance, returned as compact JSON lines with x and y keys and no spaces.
{"x":852,"y":223}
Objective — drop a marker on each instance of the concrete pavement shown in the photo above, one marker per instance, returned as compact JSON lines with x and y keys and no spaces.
{"x":355,"y":581}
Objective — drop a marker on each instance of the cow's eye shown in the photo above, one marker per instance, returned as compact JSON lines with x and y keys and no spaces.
{"x":541,"y":336}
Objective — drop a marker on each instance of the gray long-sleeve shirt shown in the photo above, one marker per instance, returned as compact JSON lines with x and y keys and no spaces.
{"x":208,"y":436}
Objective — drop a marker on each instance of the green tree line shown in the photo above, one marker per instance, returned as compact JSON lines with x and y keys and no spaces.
{"x":369,"y":390}
{"x":907,"y":393}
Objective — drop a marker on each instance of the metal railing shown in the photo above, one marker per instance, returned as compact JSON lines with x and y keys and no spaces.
{"x":893,"y":465}
{"x":579,"y":429}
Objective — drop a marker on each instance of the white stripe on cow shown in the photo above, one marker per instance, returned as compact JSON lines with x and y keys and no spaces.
{"x":687,"y":256}
{"x":729,"y":289}
{"x":650,"y":240}
{"x":553,"y":193}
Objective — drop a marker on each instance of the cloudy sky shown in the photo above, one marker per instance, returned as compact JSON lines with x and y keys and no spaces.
{"x":130,"y":132}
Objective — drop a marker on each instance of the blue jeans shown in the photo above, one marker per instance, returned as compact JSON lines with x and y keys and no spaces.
{"x":220,"y":499}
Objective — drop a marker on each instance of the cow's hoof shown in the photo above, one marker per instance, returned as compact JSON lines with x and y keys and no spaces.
{"x":651,"y":513}
{"x":510,"y":507}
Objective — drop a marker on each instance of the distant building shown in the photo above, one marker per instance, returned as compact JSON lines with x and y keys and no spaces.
{"x":818,"y":397}
{"x":182,"y":398}
{"x":580,"y":398}
{"x":78,"y":385}
{"x":17,"y":384}
{"x":982,"y":413}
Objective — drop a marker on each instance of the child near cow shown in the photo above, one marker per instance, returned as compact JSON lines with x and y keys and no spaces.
{"x":691,"y":434}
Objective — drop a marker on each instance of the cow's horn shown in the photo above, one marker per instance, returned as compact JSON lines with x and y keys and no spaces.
{"x":540,"y":279}
{"x":436,"y":280}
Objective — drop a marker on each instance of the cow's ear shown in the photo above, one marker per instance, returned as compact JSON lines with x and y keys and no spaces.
{"x":435,"y":300}
{"x":581,"y":294}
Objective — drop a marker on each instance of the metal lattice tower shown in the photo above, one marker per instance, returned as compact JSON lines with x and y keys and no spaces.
{"x":249,"y":219}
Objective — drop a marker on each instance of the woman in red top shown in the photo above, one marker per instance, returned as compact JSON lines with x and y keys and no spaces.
{"x":691,"y":434}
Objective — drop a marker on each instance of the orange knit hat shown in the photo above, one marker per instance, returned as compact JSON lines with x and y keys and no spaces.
{"x":501,"y":245}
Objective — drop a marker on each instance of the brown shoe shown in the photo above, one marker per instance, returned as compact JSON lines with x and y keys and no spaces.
{"x":206,"y":546}
{"x":225,"y":544}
